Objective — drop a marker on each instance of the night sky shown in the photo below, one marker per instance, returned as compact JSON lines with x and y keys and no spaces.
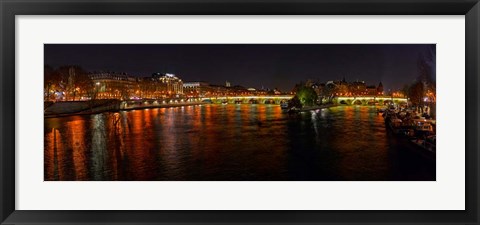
{"x":251,"y":65}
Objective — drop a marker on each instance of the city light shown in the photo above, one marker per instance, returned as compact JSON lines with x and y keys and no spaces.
{"x":310,"y":112}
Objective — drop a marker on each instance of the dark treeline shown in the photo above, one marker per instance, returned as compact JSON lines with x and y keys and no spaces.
{"x":422,"y":92}
{"x":70,"y":81}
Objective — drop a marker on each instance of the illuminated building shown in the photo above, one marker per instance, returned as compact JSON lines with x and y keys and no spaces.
{"x":344,"y":88}
{"x":168,"y":83}
{"x":380,"y":89}
{"x":196,"y":89}
{"x":371,"y":90}
{"x":358,"y":88}
{"x":109,"y":85}
{"x":218,"y":90}
{"x":203,"y":89}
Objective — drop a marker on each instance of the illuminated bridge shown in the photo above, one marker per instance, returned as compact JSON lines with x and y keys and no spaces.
{"x":278,"y":99}
{"x":366,"y":100}
{"x":268,"y":99}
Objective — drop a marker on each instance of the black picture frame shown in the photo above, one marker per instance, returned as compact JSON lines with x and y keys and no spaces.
{"x":10,"y":8}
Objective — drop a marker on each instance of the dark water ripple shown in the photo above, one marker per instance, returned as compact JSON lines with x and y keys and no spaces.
{"x":230,"y":142}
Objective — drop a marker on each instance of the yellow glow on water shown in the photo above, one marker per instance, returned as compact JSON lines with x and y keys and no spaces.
{"x":223,"y":142}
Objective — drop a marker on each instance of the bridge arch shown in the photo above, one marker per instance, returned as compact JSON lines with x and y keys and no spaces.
{"x":273,"y":99}
{"x":269,"y":101}
{"x":357,"y":102}
{"x":368,"y":100}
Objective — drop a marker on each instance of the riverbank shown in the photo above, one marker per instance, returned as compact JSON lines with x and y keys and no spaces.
{"x":73,"y":108}
{"x":147,"y":106}
{"x":310,"y":108}
{"x":68,"y":108}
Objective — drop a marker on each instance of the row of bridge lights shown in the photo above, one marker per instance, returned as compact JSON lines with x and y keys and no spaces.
{"x":355,"y":94}
{"x":174,"y":101}
{"x":157,"y":102}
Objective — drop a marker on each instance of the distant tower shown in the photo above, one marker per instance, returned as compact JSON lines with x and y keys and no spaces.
{"x":227,"y":84}
{"x":380,"y":88}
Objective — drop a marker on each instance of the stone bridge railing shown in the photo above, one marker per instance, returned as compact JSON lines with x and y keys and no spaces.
{"x":268,"y":99}
{"x":365,"y":100}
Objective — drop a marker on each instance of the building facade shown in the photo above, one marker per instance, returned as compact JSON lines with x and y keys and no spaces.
{"x":110,"y":85}
{"x":196,"y":89}
{"x":169,"y":84}
{"x":344,"y":88}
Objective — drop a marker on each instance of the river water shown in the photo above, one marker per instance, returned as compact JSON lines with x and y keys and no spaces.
{"x":230,"y":142}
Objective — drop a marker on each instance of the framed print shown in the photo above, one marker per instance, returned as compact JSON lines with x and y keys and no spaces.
{"x":239,"y":112}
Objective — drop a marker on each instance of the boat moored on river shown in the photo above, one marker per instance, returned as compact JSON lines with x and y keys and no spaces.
{"x":419,"y":131}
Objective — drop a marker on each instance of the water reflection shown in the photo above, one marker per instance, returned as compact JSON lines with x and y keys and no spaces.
{"x":229,"y":142}
{"x":99,"y":147}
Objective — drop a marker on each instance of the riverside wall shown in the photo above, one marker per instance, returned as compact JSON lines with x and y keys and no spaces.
{"x":68,"y":108}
